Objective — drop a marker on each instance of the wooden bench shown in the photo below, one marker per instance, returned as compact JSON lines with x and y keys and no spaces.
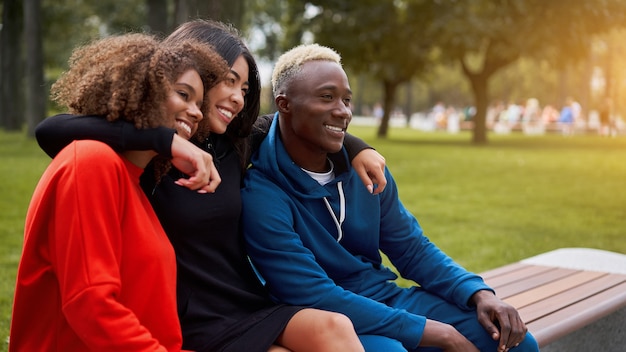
{"x":560,"y":292}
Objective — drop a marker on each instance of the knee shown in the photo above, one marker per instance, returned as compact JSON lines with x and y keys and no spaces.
{"x":337,"y":324}
{"x":335,"y":332}
{"x":529,"y":344}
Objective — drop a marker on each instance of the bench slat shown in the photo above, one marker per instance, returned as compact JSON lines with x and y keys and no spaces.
{"x":503,"y":270}
{"x":564,"y":299}
{"x":528,"y":297}
{"x":539,"y":279}
{"x":523,"y":273}
{"x":563,"y":322}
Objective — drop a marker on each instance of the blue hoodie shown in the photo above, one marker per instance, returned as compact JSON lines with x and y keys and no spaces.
{"x":318,"y":246}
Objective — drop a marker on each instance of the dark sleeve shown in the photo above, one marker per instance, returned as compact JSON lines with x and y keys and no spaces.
{"x":354,"y":145}
{"x":260,"y":129}
{"x":55,"y":132}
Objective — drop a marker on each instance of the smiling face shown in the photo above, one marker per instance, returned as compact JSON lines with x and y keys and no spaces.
{"x":227,"y":98}
{"x":184,"y":102}
{"x":315,"y":111}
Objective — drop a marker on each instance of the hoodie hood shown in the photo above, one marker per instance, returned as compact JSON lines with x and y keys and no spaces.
{"x":273,"y":160}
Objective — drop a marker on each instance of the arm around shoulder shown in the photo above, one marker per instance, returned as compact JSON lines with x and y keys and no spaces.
{"x":56,"y":132}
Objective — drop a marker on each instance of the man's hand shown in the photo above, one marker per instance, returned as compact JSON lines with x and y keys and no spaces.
{"x":197,"y":164}
{"x":446,"y":337}
{"x":370,"y":166}
{"x":491,"y":309}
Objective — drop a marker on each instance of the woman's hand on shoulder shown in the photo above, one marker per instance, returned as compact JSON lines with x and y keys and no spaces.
{"x":370,"y":166}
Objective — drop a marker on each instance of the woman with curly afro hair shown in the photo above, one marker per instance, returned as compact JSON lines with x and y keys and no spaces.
{"x":97,"y":270}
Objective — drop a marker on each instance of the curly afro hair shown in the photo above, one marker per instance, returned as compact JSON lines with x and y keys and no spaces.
{"x":129,"y":77}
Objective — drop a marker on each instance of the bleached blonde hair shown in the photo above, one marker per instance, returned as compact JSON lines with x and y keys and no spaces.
{"x":290,"y":63}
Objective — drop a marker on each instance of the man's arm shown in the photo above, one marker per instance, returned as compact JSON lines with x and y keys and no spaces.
{"x":417,"y":258}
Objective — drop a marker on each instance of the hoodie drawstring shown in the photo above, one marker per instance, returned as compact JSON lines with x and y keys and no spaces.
{"x":342,"y":211}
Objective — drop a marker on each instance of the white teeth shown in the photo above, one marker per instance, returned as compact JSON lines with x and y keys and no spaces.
{"x":226,"y":113}
{"x":334,"y":128}
{"x":184,"y":126}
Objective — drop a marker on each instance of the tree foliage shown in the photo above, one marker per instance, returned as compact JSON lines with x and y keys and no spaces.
{"x":68,"y":24}
{"x":382,"y":38}
{"x":485,"y":36}
{"x":393,"y":42}
{"x":396,"y":40}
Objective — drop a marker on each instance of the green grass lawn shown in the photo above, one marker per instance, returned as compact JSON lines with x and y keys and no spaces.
{"x":21,"y":165}
{"x":485,"y":206}
{"x":516,"y":197}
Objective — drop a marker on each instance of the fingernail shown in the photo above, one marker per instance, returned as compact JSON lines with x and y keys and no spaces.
{"x":370,"y":188}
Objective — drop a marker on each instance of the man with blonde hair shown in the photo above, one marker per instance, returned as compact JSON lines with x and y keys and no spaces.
{"x":315,"y":233}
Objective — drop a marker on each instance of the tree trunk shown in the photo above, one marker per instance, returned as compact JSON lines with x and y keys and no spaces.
{"x":11,"y":92}
{"x":358,"y":96}
{"x":36,"y":93}
{"x":227,"y":11}
{"x":182,"y":12}
{"x":408,"y":107}
{"x":479,"y":80}
{"x":157,"y":17}
{"x":389,"y":99}
{"x":230,"y":11}
{"x":479,"y":83}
